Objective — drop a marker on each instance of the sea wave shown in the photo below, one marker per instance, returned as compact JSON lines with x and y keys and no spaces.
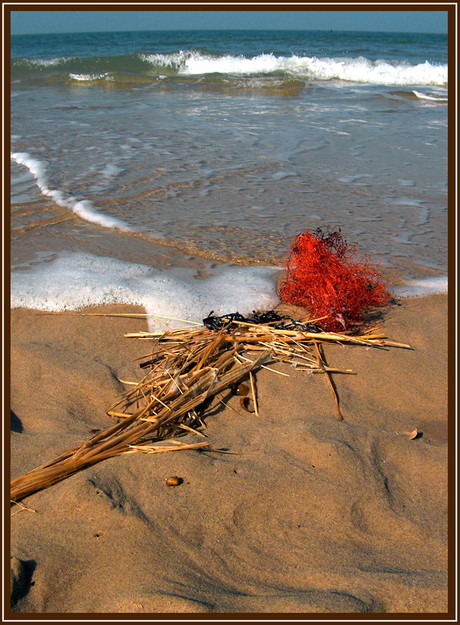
{"x":359,"y":69}
{"x":196,"y":63}
{"x":83,"y":208}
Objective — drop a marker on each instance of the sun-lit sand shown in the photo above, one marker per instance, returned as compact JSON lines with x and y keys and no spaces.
{"x":303,"y":514}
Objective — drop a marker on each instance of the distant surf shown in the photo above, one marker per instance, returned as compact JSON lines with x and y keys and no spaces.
{"x":141,"y":67}
{"x":426,"y":96}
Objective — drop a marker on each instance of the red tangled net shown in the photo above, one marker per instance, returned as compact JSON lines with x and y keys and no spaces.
{"x":325,"y":276}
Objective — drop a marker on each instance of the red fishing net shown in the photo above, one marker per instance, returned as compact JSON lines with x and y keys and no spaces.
{"x":326,"y":276}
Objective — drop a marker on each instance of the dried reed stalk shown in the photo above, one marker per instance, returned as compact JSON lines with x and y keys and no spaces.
{"x":186,"y":368}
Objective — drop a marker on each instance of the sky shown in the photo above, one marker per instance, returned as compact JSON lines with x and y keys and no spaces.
{"x":34,"y":22}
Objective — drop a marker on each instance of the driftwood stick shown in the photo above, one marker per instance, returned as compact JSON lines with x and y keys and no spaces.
{"x":322,"y":366}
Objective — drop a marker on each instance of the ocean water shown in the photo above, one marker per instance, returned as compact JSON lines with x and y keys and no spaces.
{"x":174,"y":169}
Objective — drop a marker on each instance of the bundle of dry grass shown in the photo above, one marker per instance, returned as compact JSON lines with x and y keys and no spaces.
{"x":185,"y":370}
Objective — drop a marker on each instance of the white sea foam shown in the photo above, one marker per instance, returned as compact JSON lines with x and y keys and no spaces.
{"x":228,"y":64}
{"x":420,"y":288}
{"x":88,"y":77}
{"x":48,"y":62}
{"x":380,"y":72}
{"x":359,"y":69}
{"x":75,"y":280}
{"x":83,"y":208}
{"x":425,"y":96}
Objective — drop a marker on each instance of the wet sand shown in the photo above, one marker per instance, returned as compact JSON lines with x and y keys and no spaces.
{"x":306,"y":515}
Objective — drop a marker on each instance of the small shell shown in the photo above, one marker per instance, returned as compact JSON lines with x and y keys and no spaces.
{"x":242,"y":389}
{"x":173,"y":481}
{"x":247,"y":404}
{"x":412,"y":435}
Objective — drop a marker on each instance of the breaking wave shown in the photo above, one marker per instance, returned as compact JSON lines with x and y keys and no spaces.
{"x":143,"y":67}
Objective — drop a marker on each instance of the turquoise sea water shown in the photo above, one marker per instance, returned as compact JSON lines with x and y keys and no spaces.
{"x":173,"y":169}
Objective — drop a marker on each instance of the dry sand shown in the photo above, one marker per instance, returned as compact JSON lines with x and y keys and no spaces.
{"x":307,"y":515}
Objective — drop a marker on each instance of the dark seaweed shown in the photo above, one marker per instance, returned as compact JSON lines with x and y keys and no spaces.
{"x":280,"y":322}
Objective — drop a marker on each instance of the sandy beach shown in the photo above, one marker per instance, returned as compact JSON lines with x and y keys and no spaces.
{"x":305,"y":515}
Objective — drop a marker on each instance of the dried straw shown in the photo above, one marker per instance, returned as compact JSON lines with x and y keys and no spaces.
{"x":185,"y":370}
